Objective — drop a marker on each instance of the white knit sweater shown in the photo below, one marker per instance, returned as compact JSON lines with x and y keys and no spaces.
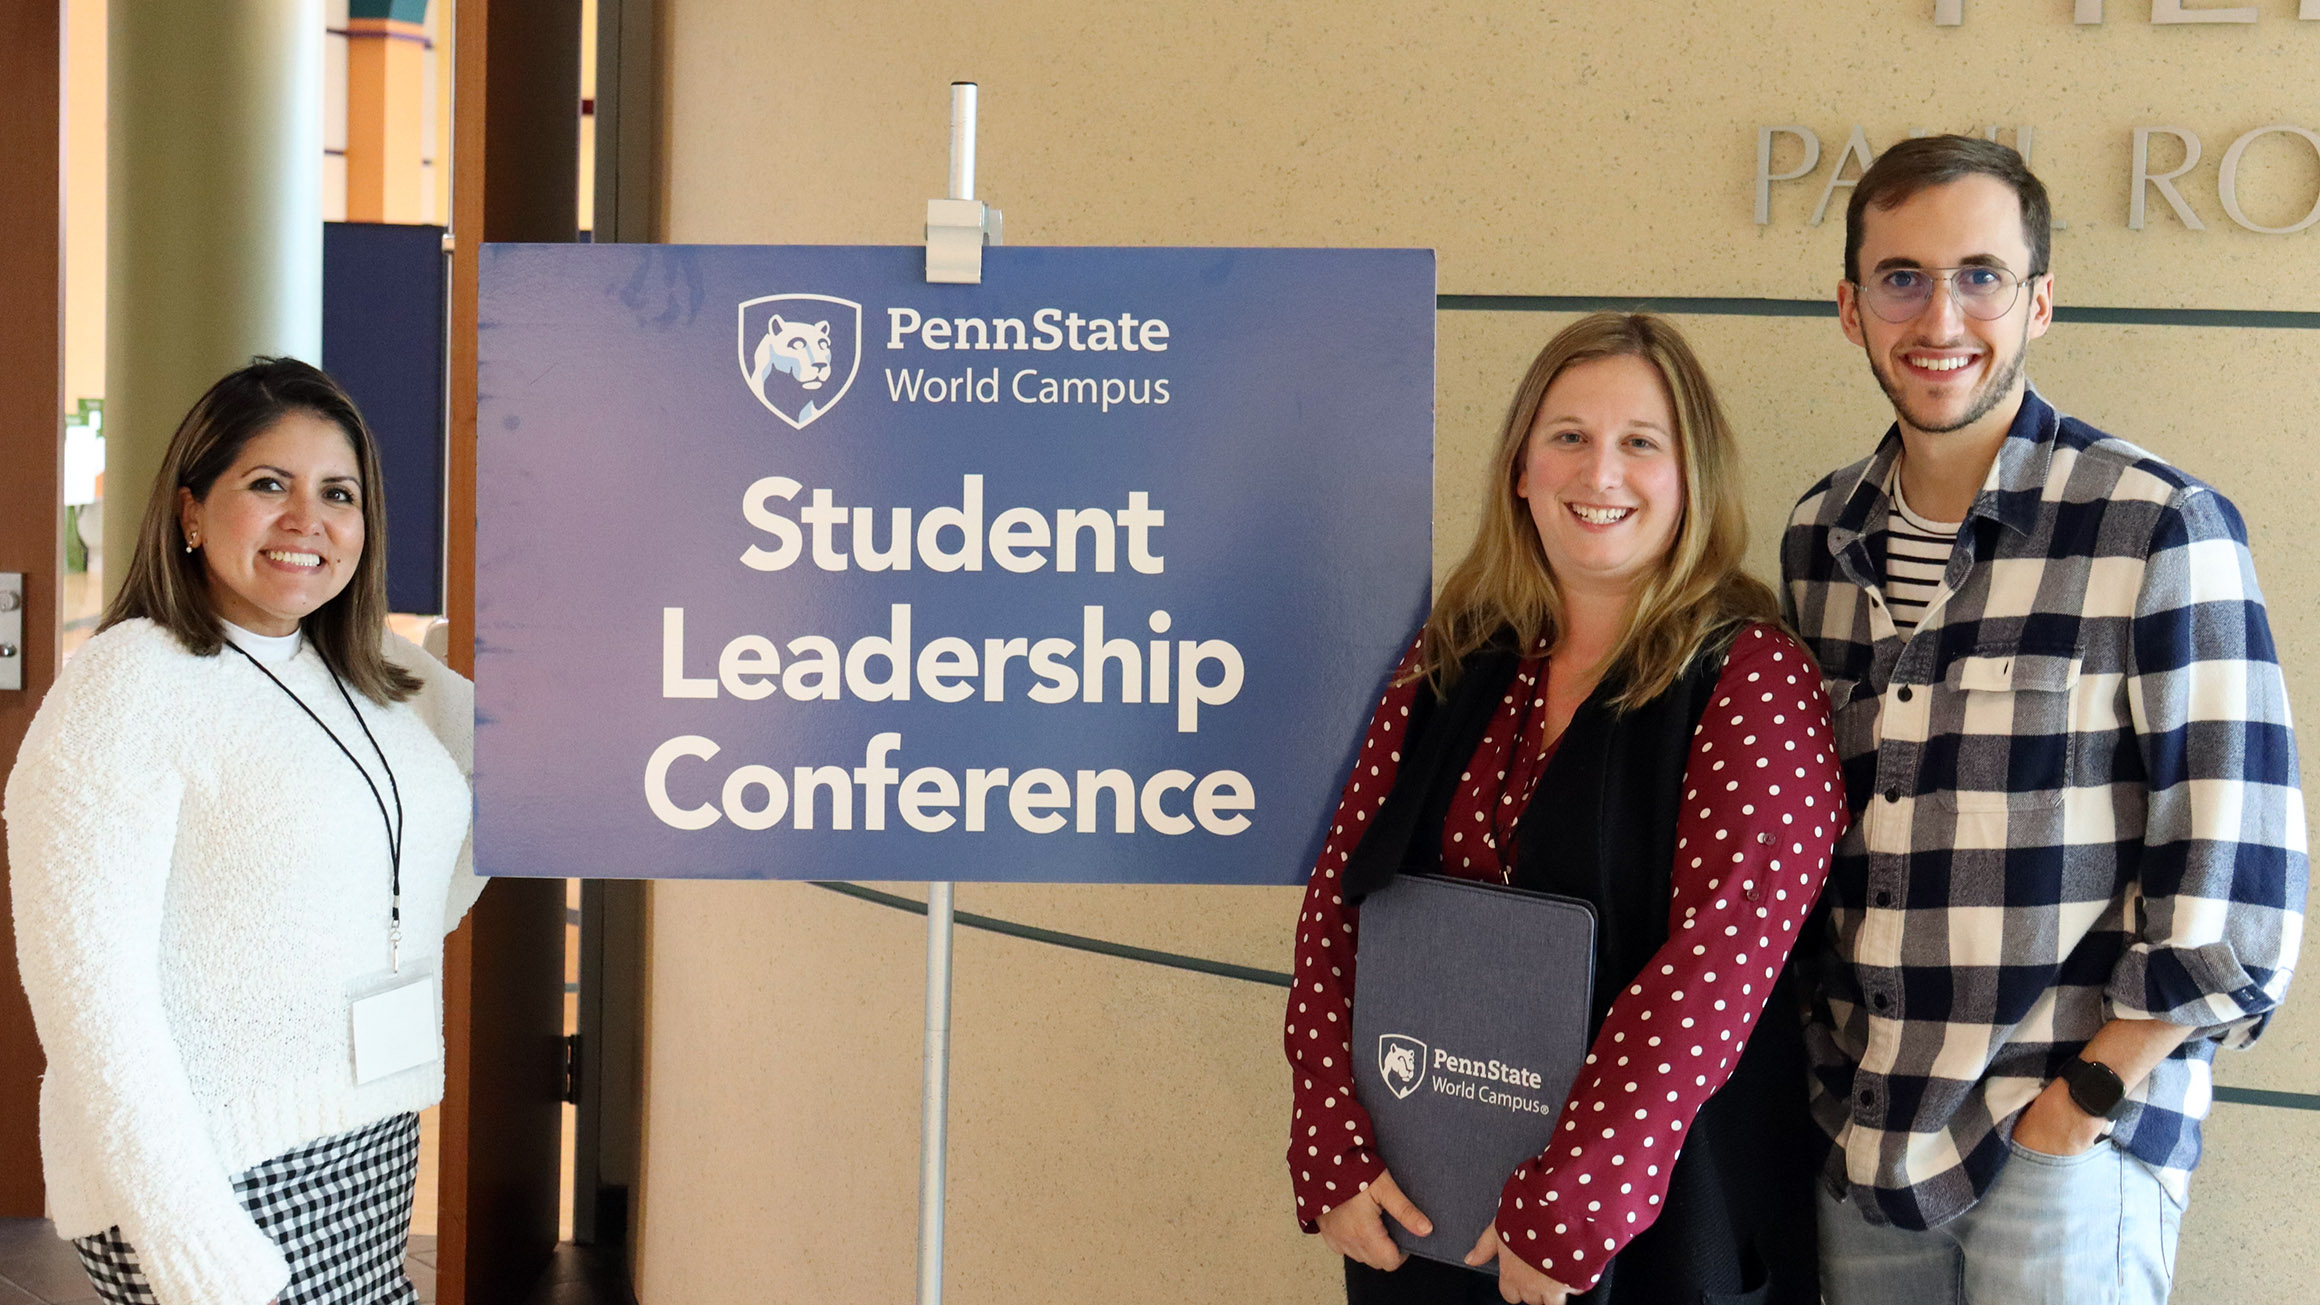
{"x":199,"y":877}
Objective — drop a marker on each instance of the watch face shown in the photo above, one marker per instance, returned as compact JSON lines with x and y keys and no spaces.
{"x":2095,"y":1088}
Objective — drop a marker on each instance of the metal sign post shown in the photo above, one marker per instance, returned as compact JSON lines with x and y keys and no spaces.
{"x":957,"y":228}
{"x":934,"y":1114}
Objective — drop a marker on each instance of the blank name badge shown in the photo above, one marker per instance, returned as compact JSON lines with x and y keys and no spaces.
{"x":396,"y":1029}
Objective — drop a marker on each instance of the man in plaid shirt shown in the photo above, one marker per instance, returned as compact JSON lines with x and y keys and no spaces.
{"x":2077,"y":863}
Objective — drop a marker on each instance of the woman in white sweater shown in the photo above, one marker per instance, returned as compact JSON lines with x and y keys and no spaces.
{"x":237,"y":834}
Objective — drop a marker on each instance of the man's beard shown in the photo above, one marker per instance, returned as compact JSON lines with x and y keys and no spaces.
{"x":1999,"y":386}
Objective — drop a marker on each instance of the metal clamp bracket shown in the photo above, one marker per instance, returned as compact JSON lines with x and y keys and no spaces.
{"x":959,"y":227}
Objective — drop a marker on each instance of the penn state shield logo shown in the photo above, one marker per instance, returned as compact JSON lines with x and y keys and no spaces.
{"x":799,"y":353}
{"x":1401,"y":1063}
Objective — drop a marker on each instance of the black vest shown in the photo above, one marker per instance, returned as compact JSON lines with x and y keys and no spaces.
{"x":1738,"y":1220}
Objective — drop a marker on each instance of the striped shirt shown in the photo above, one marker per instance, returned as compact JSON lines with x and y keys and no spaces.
{"x":2075,"y":797}
{"x":1911,"y":552}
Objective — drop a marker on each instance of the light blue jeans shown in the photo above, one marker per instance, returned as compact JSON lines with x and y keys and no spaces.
{"x":2095,"y":1228}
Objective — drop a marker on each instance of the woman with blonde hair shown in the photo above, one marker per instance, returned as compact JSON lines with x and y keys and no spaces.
{"x":235,"y":836}
{"x":1601,"y":705}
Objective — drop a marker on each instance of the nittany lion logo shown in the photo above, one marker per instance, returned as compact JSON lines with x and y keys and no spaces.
{"x":799,"y":353}
{"x":1401,"y":1063}
{"x":794,"y":347}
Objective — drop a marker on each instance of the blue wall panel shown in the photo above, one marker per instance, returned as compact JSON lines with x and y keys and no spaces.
{"x":383,"y":338}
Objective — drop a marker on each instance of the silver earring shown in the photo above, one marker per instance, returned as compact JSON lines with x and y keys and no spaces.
{"x":190,"y":541}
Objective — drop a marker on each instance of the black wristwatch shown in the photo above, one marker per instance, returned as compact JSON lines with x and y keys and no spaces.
{"x":2094,"y":1087}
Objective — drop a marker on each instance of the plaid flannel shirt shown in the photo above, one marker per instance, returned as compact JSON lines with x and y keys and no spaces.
{"x":2075,"y":798}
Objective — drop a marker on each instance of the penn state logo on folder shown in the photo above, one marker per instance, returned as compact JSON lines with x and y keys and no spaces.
{"x":799,"y":353}
{"x":1401,"y":1063}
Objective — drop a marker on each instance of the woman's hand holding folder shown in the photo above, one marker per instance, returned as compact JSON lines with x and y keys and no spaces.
{"x":1357,"y":1229}
{"x":1518,"y":1282}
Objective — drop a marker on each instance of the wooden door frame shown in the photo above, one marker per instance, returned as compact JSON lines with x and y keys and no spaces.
{"x":514,"y":177}
{"x":32,"y":492}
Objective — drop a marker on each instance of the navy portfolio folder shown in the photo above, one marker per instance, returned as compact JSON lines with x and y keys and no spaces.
{"x":1470,"y":1020}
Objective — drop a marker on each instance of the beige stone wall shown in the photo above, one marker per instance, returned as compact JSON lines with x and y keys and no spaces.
{"x":1116,"y":1126}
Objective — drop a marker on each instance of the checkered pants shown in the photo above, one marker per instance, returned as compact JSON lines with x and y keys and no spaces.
{"x":340,"y":1209}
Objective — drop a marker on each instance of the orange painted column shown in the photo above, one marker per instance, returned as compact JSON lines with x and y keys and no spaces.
{"x":385,"y":114}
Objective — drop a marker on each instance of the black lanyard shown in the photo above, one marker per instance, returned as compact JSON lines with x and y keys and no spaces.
{"x":394,"y":827}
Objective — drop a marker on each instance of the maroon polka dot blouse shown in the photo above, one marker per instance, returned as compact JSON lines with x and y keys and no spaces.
{"x":1764,"y":804}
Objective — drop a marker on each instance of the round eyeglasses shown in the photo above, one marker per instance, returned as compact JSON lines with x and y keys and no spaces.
{"x":1899,"y":294}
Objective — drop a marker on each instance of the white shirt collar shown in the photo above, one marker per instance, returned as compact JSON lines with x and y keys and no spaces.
{"x":269,"y":649}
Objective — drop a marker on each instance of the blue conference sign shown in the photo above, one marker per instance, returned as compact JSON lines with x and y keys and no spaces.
{"x":792,"y":565}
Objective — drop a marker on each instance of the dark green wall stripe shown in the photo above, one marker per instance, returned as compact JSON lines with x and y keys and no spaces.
{"x":1277,"y":979}
{"x":1716,"y":307}
{"x":1633,"y":304}
{"x":2265,"y":1097}
{"x":2231,"y":317}
{"x":1077,"y":942}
